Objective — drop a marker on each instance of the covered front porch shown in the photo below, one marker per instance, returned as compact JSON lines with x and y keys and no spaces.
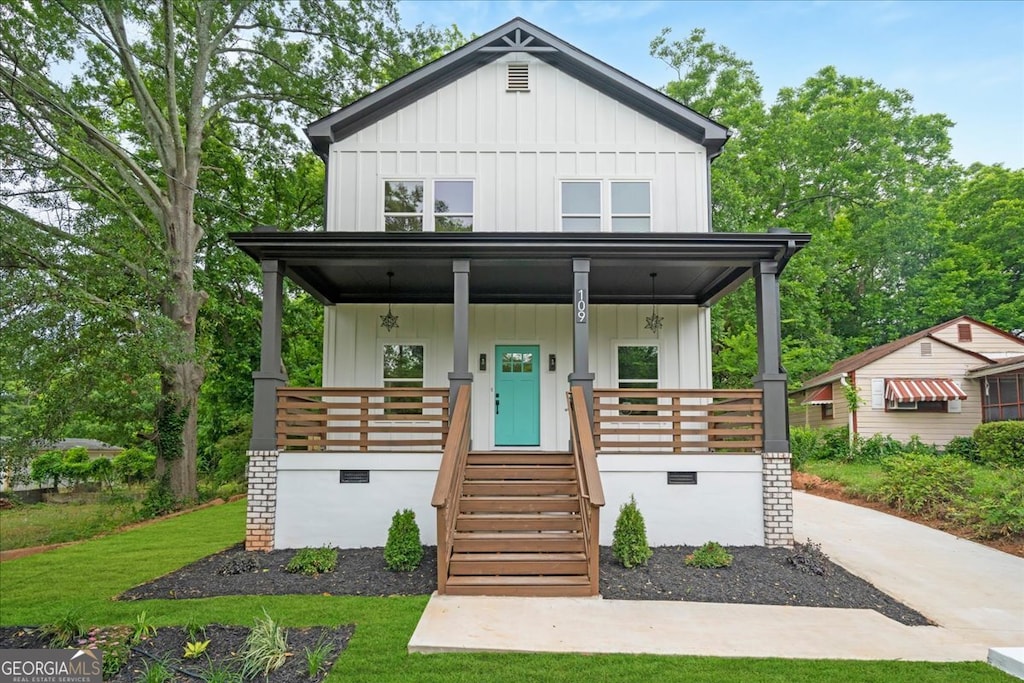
{"x":728,"y":447}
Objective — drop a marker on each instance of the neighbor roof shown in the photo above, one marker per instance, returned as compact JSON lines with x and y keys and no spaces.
{"x":857,"y":361}
{"x":517,"y":35}
{"x":999,"y":367}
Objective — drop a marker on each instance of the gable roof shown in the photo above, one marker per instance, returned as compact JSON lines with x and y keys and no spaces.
{"x":998,"y":367}
{"x":857,"y":361}
{"x":518,"y":35}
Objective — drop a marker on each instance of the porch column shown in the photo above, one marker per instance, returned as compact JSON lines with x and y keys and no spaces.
{"x":460,"y":375}
{"x":771,"y":378}
{"x":270,"y":375}
{"x":581,"y":375}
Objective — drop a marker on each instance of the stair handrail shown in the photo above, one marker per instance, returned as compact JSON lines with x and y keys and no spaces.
{"x":448,"y":487}
{"x":589,"y":477}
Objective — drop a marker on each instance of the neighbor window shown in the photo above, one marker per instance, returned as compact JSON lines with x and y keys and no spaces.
{"x":596,"y":205}
{"x":1004,"y":398}
{"x":403,"y":206}
{"x":403,"y":367}
{"x":450,"y":204}
{"x":827,"y":412}
{"x":638,"y":369}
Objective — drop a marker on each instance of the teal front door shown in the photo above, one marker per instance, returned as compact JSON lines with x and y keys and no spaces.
{"x":517,"y":396}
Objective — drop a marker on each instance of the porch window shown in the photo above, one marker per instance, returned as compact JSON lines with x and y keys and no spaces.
{"x":403,"y":367}
{"x":638,"y":369}
{"x":403,"y":205}
{"x":1004,"y":398}
{"x":581,"y":206}
{"x":631,"y":207}
{"x":453,"y":206}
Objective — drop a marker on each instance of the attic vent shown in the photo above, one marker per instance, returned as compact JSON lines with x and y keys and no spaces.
{"x":926,"y":349}
{"x":355,"y":477}
{"x":518,"y":77}
{"x":689,"y":478}
{"x":963,"y":331}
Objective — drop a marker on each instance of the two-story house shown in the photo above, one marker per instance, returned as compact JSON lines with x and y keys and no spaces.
{"x":517,"y":270}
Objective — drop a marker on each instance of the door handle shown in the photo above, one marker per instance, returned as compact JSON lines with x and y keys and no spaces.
{"x":497,"y":404}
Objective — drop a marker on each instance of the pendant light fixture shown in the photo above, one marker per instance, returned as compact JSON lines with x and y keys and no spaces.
{"x":653,"y":320}
{"x":389,"y":321}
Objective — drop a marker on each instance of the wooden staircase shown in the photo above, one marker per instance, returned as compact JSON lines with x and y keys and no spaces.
{"x":518,"y":528}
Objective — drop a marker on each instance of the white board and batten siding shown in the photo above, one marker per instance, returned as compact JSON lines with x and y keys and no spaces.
{"x":517,"y":147}
{"x":909,"y":362}
{"x":354,"y":342}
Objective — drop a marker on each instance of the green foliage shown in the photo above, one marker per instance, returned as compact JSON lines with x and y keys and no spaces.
{"x":142,"y":628}
{"x":159,"y":500}
{"x":134,"y":466}
{"x":1001,"y":443}
{"x":47,"y":468}
{"x":313,"y":561}
{"x":170,"y":424}
{"x":318,"y":656}
{"x":101,"y":471}
{"x":233,"y":488}
{"x":195,"y":649}
{"x":76,"y":465}
{"x":265,"y":649}
{"x":629,"y":540}
{"x":156,"y":672}
{"x":998,"y":509}
{"x":964,"y":447}
{"x":877,"y":448}
{"x":113,"y":642}
{"x":195,"y":627}
{"x":403,"y":550}
{"x":923,"y":483}
{"x":66,"y":629}
{"x":711,"y":555}
{"x":219,"y":673}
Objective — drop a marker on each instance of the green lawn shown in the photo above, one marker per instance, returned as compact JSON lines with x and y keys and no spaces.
{"x":860,"y":478}
{"x":39,"y":589}
{"x":25,"y":526}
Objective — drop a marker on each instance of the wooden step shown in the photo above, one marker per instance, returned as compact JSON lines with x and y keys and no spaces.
{"x":517,"y":564}
{"x":519,"y":504}
{"x":518,"y":522}
{"x":510,"y":541}
{"x":519,"y":488}
{"x":536,"y":586}
{"x":499,"y":458}
{"x":527,"y":472}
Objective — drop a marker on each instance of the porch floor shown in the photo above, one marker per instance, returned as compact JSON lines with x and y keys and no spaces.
{"x":971,"y":591}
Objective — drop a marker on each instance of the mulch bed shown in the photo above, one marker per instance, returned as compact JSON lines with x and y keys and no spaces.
{"x":760,"y":576}
{"x":226,"y":642}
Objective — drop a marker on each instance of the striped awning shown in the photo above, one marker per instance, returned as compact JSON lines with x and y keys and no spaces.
{"x":922,"y":389}
{"x":823,"y":396}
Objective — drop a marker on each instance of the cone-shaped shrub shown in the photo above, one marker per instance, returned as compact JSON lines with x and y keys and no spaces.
{"x":403,"y":551}
{"x":629,"y":542}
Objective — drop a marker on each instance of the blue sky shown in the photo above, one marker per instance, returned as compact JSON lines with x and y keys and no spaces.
{"x":961,"y":59}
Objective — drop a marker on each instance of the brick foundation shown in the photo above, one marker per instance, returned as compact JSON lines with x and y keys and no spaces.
{"x":262,"y":500}
{"x":777,"y":494}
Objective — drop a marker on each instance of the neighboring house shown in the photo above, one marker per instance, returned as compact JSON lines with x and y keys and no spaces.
{"x":508,"y":224}
{"x":20,"y":481}
{"x":938,"y":383}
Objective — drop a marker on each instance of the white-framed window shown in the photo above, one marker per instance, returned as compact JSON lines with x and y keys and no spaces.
{"x":402,"y":366}
{"x":593,"y":205}
{"x":418,"y":205}
{"x":637,"y":367}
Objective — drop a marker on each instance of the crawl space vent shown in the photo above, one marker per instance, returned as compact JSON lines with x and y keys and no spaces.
{"x":688,"y":478}
{"x":355,"y":476}
{"x":518,"y":77}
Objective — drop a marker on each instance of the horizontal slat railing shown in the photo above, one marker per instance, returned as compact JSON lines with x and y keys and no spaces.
{"x":679,"y":420}
{"x":332,"y":419}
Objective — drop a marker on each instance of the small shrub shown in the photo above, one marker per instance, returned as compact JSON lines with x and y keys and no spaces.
{"x":810,"y":559}
{"x":265,"y":649}
{"x":134,"y":466}
{"x":195,"y":649}
{"x":915,"y":445}
{"x":877,"y":448}
{"x":403,"y":550}
{"x":711,"y":555}
{"x":77,"y":466}
{"x":963,"y":447}
{"x":317,"y":658}
{"x":923,"y":483}
{"x":836,"y":444}
{"x":313,"y":561}
{"x":66,"y":629}
{"x":1001,"y":443}
{"x":999,"y":510}
{"x":47,"y":468}
{"x":232,"y":488}
{"x":805,"y":444}
{"x":159,"y":499}
{"x":629,"y":540}
{"x":101,"y":471}
{"x":113,"y":643}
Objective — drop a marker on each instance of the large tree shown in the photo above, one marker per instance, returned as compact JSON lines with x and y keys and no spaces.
{"x":107,"y":109}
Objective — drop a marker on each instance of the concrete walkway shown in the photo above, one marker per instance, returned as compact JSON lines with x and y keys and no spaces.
{"x":974,"y":593}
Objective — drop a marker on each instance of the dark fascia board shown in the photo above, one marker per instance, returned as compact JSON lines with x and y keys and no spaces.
{"x":435,"y":75}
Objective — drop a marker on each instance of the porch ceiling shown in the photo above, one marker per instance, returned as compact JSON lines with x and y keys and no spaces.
{"x":346,"y":267}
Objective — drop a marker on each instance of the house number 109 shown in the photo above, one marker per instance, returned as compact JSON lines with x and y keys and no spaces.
{"x":581,"y":305}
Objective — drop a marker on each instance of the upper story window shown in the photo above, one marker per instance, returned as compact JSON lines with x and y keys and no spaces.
{"x":450,"y":202}
{"x":596,"y":205}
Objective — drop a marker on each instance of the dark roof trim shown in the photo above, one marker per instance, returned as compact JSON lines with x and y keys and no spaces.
{"x":517,"y":35}
{"x":1005,"y":365}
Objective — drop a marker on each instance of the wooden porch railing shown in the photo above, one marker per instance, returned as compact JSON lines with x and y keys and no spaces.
{"x":679,"y":420}
{"x":329,"y":419}
{"x":448,"y":489}
{"x":589,"y":478}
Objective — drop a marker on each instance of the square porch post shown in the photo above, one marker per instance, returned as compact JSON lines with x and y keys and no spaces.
{"x":581,"y":375}
{"x":771,"y":378}
{"x":271,"y":375}
{"x":460,"y":375}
